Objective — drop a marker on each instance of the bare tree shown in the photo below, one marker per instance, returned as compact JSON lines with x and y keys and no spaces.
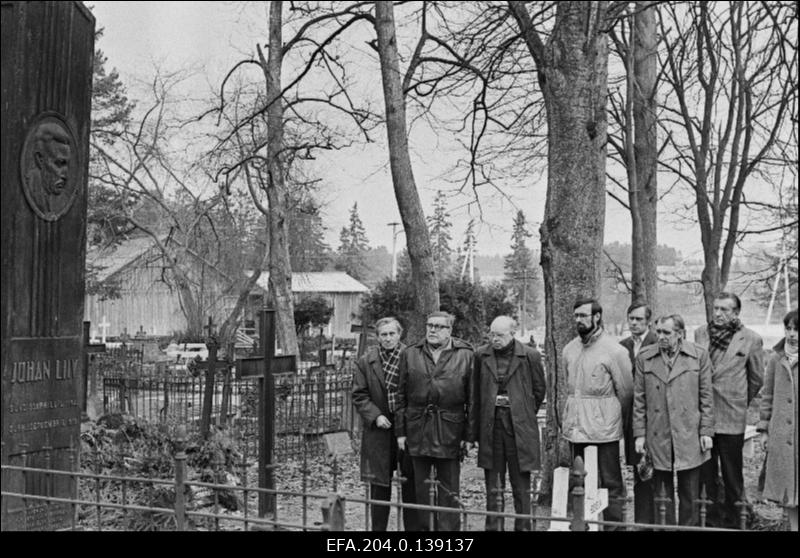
{"x":731,"y":120}
{"x":572,"y":69}
{"x":637,"y":143}
{"x":417,"y":237}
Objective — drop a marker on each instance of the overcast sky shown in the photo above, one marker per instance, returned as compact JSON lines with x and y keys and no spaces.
{"x":213,"y":36}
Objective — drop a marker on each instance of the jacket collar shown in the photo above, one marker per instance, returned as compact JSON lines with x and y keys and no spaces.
{"x":488,"y":356}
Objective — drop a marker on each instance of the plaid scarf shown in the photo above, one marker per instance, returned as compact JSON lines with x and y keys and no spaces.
{"x":390,"y":361}
{"x":719,"y":337}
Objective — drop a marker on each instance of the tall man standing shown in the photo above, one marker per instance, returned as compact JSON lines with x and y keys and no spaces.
{"x":375,"y":398}
{"x":511,"y":387}
{"x":599,"y":389}
{"x":436,"y":412}
{"x":641,"y":336}
{"x":673,"y":413}
{"x":737,"y":360}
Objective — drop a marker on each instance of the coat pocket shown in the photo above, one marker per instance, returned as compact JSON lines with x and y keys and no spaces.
{"x":452,"y":427}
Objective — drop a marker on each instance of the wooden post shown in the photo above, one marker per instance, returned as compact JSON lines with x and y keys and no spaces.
{"x":180,"y":476}
{"x":703,"y":502}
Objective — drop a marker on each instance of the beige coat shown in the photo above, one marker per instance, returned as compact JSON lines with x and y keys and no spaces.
{"x":673,"y":408}
{"x":599,"y":387}
{"x":778,"y":417}
{"x":737,"y":376}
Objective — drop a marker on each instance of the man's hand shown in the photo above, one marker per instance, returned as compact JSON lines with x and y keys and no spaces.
{"x":639,"y":443}
{"x":383,"y":422}
{"x":764,"y":439}
{"x":706,"y":443}
{"x":401,"y":443}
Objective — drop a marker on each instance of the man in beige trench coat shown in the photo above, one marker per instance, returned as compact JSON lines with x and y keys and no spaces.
{"x":673,"y":416}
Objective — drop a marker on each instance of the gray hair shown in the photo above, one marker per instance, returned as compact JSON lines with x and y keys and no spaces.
{"x":442,"y":314}
{"x":388,"y":320}
{"x":678,"y":324}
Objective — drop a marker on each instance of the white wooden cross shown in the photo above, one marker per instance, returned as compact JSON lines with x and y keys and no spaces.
{"x":596,"y":498}
{"x":104,"y":325}
{"x":560,"y":498}
{"x":93,"y":338}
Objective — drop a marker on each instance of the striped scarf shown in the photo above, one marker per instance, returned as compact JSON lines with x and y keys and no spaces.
{"x":390,"y":361}
{"x":719,"y":338}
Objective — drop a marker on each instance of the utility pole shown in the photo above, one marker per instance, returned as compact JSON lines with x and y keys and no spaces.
{"x":394,"y":226}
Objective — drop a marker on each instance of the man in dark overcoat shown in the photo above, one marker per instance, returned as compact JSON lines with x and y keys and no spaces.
{"x":511,"y":387}
{"x":639,"y":316}
{"x":375,"y":398}
{"x":436,"y":414}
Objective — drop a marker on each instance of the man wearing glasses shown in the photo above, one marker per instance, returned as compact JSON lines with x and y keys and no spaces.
{"x":599,"y":390}
{"x":435,"y":415}
{"x":673,"y":414}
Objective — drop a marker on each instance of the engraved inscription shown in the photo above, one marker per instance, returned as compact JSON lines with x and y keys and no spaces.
{"x":49,"y":167}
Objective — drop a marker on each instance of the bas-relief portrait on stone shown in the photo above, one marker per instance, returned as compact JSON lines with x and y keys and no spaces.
{"x":48,"y":167}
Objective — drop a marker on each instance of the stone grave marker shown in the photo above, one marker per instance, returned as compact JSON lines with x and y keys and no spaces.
{"x":560,"y":499}
{"x":337,"y":444}
{"x":47,"y":51}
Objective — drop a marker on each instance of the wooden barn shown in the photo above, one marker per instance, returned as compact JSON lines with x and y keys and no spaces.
{"x":341,"y":290}
{"x":148,"y":302}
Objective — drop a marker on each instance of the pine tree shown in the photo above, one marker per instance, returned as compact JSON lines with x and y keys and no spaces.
{"x":111,"y":116}
{"x":520,"y":272}
{"x":439,"y":226}
{"x":352,"y":246}
{"x":466,"y":253}
{"x":308,"y":250}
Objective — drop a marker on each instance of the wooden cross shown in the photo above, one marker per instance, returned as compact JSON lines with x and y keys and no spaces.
{"x":363,"y":333}
{"x":210,"y":327}
{"x":88,"y":348}
{"x":560,"y":498}
{"x":104,"y":325}
{"x":265,"y":367}
{"x":596,"y":498}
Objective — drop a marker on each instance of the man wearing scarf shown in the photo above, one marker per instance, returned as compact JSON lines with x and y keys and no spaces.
{"x":511,"y":387}
{"x":375,"y":399}
{"x":737,"y":360}
{"x":599,"y":392}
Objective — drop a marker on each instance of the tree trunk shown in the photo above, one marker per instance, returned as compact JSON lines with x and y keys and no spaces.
{"x":417,"y":237}
{"x":280,"y":267}
{"x":572,"y":69}
{"x":645,"y":69}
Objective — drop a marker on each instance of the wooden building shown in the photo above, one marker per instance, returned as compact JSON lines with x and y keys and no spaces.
{"x":148,"y":301}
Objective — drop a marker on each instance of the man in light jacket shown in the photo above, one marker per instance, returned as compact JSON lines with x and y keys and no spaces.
{"x":599,"y":391}
{"x":673,"y":416}
{"x":737,"y":359}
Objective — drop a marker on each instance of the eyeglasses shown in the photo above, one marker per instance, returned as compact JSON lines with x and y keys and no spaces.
{"x":664,"y":332}
{"x":437,"y":327}
{"x":579,"y":315}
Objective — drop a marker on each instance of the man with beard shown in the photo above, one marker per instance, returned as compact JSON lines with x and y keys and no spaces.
{"x":436,"y":411}
{"x":737,"y":361}
{"x":641,"y":336}
{"x":375,"y":399}
{"x":599,"y":391}
{"x":511,"y":387}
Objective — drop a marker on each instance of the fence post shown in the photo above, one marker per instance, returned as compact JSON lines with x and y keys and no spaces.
{"x":662,"y":500}
{"x":743,"y":509}
{"x":535,"y":494}
{"x":703,"y":501}
{"x":180,"y":478}
{"x":578,"y":497}
{"x":431,"y":481}
{"x":333,"y":514}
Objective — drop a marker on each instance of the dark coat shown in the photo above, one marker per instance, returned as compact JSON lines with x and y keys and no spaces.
{"x":673,"y":408}
{"x":369,"y":398}
{"x":738,"y":375}
{"x":778,"y":417}
{"x":630,"y":446}
{"x":436,"y":402}
{"x":526,"y":389}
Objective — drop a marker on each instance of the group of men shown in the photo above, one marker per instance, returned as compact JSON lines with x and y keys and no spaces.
{"x":678,"y":405}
